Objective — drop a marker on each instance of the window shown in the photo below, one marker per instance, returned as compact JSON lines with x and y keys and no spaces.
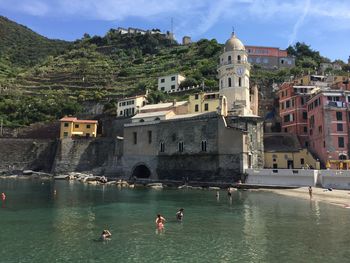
{"x":282,"y":105}
{"x":162,"y":88}
{"x":181,"y":147}
{"x":196,"y":107}
{"x":121,"y":112}
{"x":305,"y":129}
{"x":204,"y":146}
{"x":287,"y":104}
{"x":229,"y":59}
{"x":341,"y":142}
{"x":302,"y":161}
{"x":206,"y":107}
{"x":275,"y":166}
{"x":172,"y":86}
{"x":173,"y":78}
{"x":239,"y":82}
{"x":76,"y":126}
{"x":149,"y":137}
{"x":302,"y":101}
{"x":239,"y":58}
{"x":304,"y":115}
{"x":266,"y":60}
{"x":339,"y":116}
{"x":66,"y":124}
{"x":196,"y":96}
{"x":285,"y":129}
{"x":135,"y":137}
{"x":65,"y":134}
{"x":339,"y":127}
{"x":324,"y":144}
{"x":311,"y":132}
{"x":162,"y":147}
{"x":229,"y":82}
{"x":88,"y":126}
{"x":319,"y":129}
{"x":162,"y":80}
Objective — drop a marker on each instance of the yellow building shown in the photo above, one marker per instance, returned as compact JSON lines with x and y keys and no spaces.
{"x":203,"y":102}
{"x":71,"y":126}
{"x":283,"y":151}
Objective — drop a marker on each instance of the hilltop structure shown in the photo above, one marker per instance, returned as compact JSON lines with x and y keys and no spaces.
{"x":270,"y":57}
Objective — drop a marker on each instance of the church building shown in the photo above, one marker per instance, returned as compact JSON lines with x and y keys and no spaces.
{"x":202,"y":146}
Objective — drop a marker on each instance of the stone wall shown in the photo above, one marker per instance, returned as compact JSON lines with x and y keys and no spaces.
{"x":21,"y":154}
{"x":84,"y":154}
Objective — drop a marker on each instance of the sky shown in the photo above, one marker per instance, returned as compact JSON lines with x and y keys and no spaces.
{"x":322,"y":24}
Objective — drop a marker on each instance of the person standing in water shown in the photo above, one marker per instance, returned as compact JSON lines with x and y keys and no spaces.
{"x":310,"y":191}
{"x":160,"y":221}
{"x":180,"y":214}
{"x":3,"y":196}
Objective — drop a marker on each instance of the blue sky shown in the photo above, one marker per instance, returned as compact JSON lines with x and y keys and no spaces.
{"x":323,"y":24}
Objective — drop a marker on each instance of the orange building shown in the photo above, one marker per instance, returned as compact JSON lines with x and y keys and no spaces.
{"x":71,"y":126}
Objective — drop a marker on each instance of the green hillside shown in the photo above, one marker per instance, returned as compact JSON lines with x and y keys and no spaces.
{"x":21,"y":47}
{"x":42,"y":79}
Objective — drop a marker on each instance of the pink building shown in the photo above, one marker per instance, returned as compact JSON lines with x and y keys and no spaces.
{"x":293,"y":110}
{"x":328,"y":124}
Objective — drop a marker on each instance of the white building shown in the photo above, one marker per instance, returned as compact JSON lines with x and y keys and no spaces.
{"x":170,"y":83}
{"x":130,"y":106}
{"x":233,"y":73}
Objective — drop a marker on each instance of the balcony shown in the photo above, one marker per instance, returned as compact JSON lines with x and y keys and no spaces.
{"x":337,"y":104}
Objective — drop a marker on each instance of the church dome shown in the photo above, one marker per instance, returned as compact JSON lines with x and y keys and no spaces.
{"x":234,"y":44}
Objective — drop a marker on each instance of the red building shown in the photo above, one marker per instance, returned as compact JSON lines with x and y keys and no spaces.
{"x":293,"y":110}
{"x":269,"y":57}
{"x":328,"y":112}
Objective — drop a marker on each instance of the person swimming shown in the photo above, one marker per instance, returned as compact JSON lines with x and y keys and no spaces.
{"x":180,"y":214}
{"x":106,"y":235}
{"x":160,"y":221}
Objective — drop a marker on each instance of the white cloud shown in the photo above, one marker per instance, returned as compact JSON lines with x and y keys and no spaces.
{"x":299,"y":22}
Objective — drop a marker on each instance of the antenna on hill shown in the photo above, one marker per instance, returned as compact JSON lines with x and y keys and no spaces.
{"x":172,"y":26}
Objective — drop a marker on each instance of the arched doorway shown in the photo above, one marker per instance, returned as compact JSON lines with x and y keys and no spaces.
{"x":141,"y":171}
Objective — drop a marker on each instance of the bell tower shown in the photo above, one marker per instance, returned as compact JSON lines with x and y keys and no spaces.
{"x":233,"y":73}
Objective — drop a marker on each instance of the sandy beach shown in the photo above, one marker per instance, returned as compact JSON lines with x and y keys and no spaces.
{"x":335,"y":197}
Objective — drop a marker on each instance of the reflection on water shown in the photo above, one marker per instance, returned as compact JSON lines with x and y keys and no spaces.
{"x":246,"y":227}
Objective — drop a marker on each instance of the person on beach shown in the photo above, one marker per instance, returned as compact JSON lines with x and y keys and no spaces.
{"x":160,"y":221}
{"x":180,"y":214}
{"x":106,"y":235}
{"x":310,"y":191}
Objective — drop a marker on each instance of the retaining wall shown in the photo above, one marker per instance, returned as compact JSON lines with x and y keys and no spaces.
{"x":282,"y":177}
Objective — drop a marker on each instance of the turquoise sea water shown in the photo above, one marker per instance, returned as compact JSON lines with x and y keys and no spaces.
{"x":38,"y":226}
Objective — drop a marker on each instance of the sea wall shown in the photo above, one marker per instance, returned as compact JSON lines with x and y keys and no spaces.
{"x":282,"y":177}
{"x":337,"y":179}
{"x":21,"y":154}
{"x":77,"y":155}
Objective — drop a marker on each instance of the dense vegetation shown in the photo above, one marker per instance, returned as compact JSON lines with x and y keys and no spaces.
{"x":42,"y":79}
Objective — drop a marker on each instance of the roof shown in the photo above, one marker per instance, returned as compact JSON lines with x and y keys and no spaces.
{"x":151,"y":114}
{"x":234,"y":44}
{"x":185,"y":116}
{"x":74,"y":119}
{"x":281,"y":142}
{"x":163,"y":105}
{"x":133,"y":97}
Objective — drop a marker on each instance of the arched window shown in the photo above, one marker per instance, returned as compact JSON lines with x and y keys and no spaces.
{"x":229,"y":82}
{"x":239,"y":59}
{"x":239,"y":82}
{"x":229,"y":59}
